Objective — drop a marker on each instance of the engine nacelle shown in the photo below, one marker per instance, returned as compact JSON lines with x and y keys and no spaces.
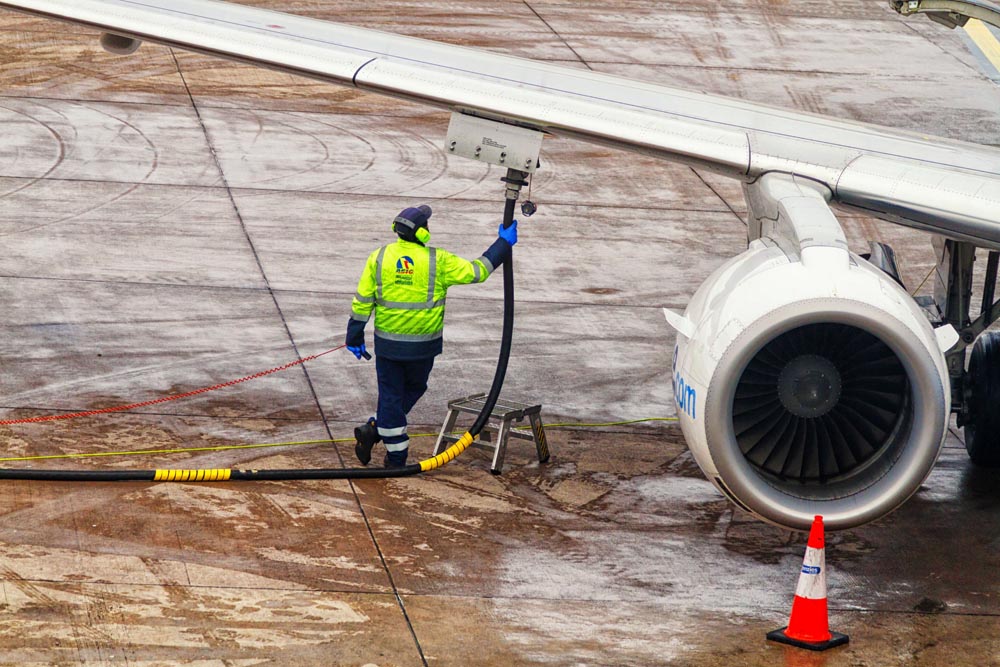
{"x":808,"y":382}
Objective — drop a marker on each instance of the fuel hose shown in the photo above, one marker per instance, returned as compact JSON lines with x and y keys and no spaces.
{"x":514,"y":180}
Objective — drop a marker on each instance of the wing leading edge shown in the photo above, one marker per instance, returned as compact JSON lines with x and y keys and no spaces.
{"x":938,"y":185}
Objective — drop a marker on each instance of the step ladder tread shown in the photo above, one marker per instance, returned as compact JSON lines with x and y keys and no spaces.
{"x":504,"y":414}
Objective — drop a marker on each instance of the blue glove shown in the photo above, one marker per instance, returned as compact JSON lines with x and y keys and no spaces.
{"x":359,"y":351}
{"x":510,"y":234}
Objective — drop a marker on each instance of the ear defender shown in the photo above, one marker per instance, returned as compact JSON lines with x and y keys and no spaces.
{"x":414,"y":220}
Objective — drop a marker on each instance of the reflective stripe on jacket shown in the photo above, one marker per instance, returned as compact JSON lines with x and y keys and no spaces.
{"x":405,"y":284}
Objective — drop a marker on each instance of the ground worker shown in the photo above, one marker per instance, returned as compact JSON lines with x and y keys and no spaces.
{"x":405,"y":284}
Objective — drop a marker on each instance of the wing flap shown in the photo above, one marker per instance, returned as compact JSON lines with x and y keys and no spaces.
{"x":923,"y":196}
{"x":943,"y":186}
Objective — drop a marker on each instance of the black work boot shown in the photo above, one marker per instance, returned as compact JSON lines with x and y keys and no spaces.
{"x":394,"y":460}
{"x":367,"y":437}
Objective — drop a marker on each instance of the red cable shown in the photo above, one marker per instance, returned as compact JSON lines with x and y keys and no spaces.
{"x":165,"y":399}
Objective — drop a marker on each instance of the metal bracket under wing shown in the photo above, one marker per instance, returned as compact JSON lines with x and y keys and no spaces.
{"x":495,"y":143}
{"x":793,"y":212}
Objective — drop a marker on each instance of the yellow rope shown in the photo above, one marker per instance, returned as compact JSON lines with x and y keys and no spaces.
{"x":221,"y":448}
{"x":929,"y":274}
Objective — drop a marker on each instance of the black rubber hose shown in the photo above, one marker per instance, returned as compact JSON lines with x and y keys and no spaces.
{"x":508,"y":331}
{"x":218,"y":475}
{"x":226,"y":474}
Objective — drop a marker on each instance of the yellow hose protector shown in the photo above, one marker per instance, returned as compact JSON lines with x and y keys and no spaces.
{"x":213,"y":475}
{"x":449,"y":454}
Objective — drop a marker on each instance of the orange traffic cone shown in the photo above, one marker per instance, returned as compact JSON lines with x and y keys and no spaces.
{"x":808,"y":626}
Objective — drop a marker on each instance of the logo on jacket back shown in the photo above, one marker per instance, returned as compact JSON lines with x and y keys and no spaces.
{"x":404,"y":270}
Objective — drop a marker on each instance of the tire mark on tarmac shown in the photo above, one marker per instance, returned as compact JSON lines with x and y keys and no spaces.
{"x":60,"y":157}
{"x":305,"y":170}
{"x":107,"y":202}
{"x":340,"y":182}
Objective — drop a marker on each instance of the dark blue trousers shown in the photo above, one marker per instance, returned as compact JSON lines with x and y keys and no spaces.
{"x":400,"y":386}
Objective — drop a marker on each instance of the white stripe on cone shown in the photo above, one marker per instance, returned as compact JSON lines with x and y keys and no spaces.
{"x":812,"y":580}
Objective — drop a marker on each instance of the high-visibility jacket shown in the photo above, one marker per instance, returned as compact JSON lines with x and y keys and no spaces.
{"x":405,"y":284}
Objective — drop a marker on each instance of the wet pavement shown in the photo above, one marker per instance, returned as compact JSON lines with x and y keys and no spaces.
{"x":171,"y":221}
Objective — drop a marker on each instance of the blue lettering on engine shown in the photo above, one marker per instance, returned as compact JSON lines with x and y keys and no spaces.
{"x":685,"y":396}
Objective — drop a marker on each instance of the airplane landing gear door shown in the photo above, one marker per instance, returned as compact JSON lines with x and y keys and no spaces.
{"x":976,"y":392}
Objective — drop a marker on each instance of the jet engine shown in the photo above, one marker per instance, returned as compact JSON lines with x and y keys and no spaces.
{"x":807,"y":381}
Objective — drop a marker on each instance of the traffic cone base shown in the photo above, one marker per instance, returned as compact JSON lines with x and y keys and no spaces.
{"x":836,"y":639}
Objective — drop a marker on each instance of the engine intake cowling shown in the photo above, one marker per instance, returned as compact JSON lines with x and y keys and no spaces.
{"x":818,"y":387}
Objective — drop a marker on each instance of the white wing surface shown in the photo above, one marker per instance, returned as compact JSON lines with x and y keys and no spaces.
{"x":935,"y":184}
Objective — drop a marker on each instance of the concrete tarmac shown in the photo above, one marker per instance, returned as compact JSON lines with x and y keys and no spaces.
{"x":170,"y":221}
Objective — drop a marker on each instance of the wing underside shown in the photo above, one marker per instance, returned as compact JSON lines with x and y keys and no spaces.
{"x":947,"y":187}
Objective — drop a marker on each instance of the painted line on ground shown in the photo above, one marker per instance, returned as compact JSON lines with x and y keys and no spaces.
{"x":985,"y":41}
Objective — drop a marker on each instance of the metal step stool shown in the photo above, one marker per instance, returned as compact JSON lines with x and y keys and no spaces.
{"x":504,"y":414}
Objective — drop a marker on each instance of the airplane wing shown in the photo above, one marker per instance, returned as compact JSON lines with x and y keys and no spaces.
{"x":938,"y":185}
